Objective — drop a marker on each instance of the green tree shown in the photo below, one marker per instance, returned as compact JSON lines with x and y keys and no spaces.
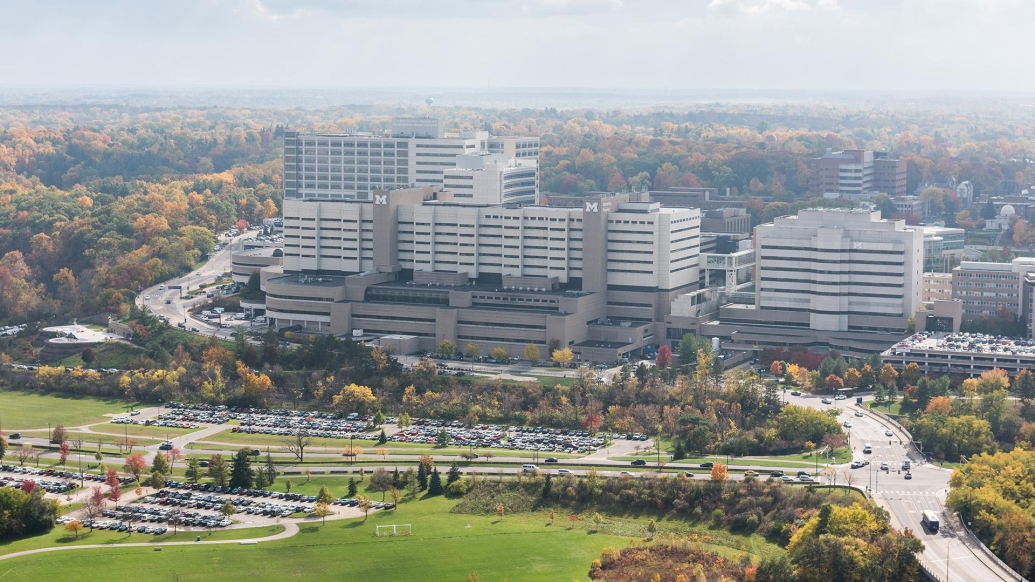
{"x":241,"y":474}
{"x":471,"y":350}
{"x":454,"y":474}
{"x":160,"y":464}
{"x":500,"y":354}
{"x":776,"y":569}
{"x":260,"y":478}
{"x":218,"y":470}
{"x":435,"y":482}
{"x":193,"y":472}
{"x":270,"y":468}
{"x":422,"y":476}
{"x":352,"y":487}
{"x":689,"y":346}
{"x":156,"y":481}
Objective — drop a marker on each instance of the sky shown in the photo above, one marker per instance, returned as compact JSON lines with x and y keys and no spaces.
{"x":800,"y":45}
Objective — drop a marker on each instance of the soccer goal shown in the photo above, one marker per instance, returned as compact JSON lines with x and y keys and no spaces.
{"x":393,"y":530}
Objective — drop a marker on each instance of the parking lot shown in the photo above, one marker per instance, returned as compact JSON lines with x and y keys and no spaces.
{"x":55,"y":481}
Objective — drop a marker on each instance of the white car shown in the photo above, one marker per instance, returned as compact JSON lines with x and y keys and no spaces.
{"x":563,"y":471}
{"x":147,"y":297}
{"x":847,"y":424}
{"x":840,"y":397}
{"x":859,"y":413}
{"x":888,"y":433}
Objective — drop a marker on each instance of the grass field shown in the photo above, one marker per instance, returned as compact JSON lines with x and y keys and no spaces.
{"x":109,"y":441}
{"x":443,"y":547}
{"x":134,"y":430}
{"x":59,"y":537}
{"x":24,"y":410}
{"x":110,"y":354}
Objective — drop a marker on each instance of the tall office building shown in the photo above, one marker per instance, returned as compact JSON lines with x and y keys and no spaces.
{"x":415,"y":152}
{"x":858,"y":174}
{"x":840,"y":270}
{"x":415,"y":262}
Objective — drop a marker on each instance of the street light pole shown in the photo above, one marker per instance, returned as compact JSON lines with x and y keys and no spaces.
{"x":948,"y":545}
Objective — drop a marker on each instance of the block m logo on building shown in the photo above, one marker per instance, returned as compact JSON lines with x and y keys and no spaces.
{"x":381,"y":199}
{"x":592,"y":207}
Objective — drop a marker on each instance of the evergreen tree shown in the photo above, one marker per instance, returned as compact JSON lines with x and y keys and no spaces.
{"x":435,"y":482}
{"x":454,"y":474}
{"x":679,"y":453}
{"x":422,"y":477}
{"x":270,"y":469}
{"x":396,"y":478}
{"x":260,"y":479}
{"x":160,"y":464}
{"x":241,"y":470}
{"x":383,"y":438}
{"x":547,"y":485}
{"x":352,"y":486}
{"x":193,"y":472}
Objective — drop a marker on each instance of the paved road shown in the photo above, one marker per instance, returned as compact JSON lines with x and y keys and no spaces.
{"x":177,"y":310}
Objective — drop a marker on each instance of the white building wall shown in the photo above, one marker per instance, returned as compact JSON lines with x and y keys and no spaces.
{"x":838,"y":266}
{"x":645,"y":249}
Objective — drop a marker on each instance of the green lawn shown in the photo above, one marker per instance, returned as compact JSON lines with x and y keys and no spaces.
{"x":109,"y":441}
{"x":25,"y":410}
{"x":59,"y":537}
{"x":111,"y":354}
{"x":444,"y":546}
{"x":135,"y":430}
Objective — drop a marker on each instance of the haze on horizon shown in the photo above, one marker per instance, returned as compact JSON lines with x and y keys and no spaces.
{"x":796,"y":45}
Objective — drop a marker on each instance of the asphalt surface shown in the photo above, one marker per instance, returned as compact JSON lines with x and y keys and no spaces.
{"x":949,"y":555}
{"x":177,"y":310}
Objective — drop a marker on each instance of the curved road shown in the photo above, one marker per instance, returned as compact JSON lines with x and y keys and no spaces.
{"x":952,"y":554}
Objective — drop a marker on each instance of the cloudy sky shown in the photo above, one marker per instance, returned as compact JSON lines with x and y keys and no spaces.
{"x":882,"y":45}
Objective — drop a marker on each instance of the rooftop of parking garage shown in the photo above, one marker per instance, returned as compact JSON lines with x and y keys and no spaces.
{"x":974,"y":343}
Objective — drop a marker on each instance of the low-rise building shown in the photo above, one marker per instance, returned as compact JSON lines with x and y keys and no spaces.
{"x":961,"y":354}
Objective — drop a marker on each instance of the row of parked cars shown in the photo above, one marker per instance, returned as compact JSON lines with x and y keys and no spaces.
{"x":190,"y":500}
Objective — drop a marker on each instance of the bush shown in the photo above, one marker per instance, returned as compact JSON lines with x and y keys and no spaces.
{"x":458,"y":488}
